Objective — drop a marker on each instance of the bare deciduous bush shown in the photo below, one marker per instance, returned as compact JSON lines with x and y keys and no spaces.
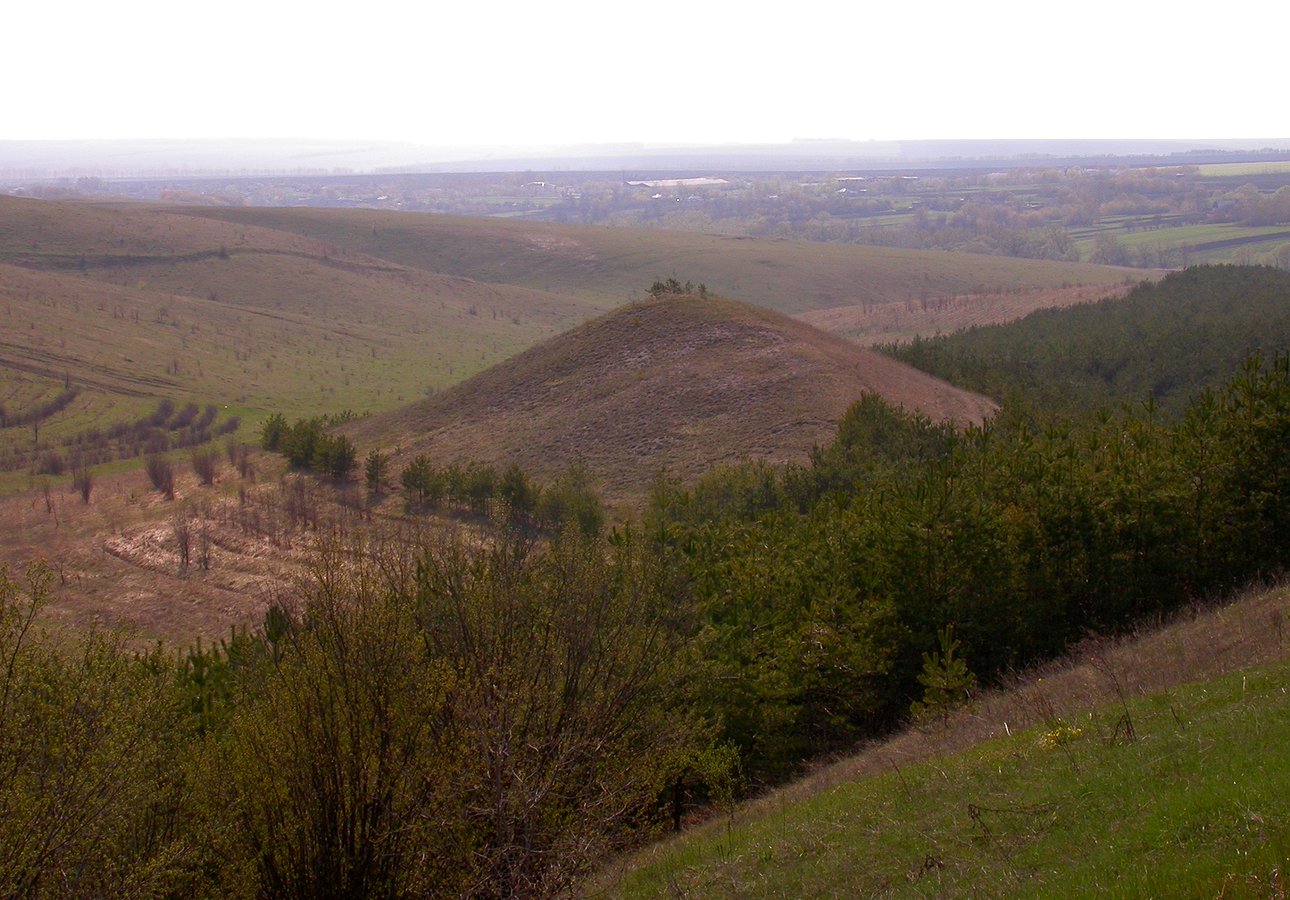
{"x":444,"y":719}
{"x":239,"y":457}
{"x":204,"y":545}
{"x":300,"y":502}
{"x":51,"y":463}
{"x":204,"y":464}
{"x":182,"y":529}
{"x":83,"y":482}
{"x":162,"y":475}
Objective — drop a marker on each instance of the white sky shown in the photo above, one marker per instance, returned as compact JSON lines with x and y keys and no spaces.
{"x":530,"y":74}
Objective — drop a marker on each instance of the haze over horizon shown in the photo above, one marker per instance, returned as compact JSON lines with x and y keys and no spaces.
{"x":510,"y":77}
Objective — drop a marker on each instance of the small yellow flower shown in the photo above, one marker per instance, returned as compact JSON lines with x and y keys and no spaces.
{"x":1056,"y":737}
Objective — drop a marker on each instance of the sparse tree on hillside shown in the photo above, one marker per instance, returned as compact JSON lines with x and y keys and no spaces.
{"x":376,"y":469}
{"x":83,"y":481}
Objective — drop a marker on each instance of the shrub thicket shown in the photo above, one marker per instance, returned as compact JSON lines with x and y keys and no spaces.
{"x":428,"y":718}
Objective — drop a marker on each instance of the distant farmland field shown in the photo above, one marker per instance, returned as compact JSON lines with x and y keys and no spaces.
{"x":1236,"y":170}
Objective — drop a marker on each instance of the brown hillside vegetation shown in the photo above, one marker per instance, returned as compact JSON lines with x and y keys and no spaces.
{"x":188,"y":568}
{"x":869,"y":324}
{"x":671,"y":384}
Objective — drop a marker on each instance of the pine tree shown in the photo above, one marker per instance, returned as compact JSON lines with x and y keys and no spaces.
{"x":947,"y":681}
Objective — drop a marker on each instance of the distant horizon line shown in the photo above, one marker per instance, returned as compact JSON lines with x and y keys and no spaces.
{"x":41,"y":159}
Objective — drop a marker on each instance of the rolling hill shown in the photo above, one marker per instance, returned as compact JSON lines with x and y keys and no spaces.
{"x":677,"y":384}
{"x":119,"y":306}
{"x":129,"y":305}
{"x":616,"y":264}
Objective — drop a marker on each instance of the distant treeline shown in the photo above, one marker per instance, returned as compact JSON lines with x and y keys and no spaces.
{"x":1166,"y":340}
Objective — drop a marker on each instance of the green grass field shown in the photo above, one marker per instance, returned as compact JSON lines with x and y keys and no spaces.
{"x":1195,"y":802}
{"x":1192,"y":244}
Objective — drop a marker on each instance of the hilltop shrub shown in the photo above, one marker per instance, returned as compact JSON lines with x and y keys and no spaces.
{"x":673,"y":287}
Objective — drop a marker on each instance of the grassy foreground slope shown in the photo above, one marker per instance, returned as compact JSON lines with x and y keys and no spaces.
{"x":1153,"y":766}
{"x":678,"y":384}
{"x":615,"y":264}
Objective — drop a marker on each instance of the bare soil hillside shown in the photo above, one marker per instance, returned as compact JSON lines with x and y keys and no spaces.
{"x":674,"y":385}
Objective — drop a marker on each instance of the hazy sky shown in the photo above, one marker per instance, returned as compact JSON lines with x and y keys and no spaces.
{"x":531,"y":74}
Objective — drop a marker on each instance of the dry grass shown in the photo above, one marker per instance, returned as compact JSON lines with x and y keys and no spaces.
{"x":676,"y":384}
{"x":870,"y":324}
{"x":119,"y":563}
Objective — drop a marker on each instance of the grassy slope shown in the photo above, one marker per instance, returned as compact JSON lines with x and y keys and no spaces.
{"x":135,"y":304}
{"x":1198,"y":804}
{"x":616,"y":264}
{"x":678,"y":383}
